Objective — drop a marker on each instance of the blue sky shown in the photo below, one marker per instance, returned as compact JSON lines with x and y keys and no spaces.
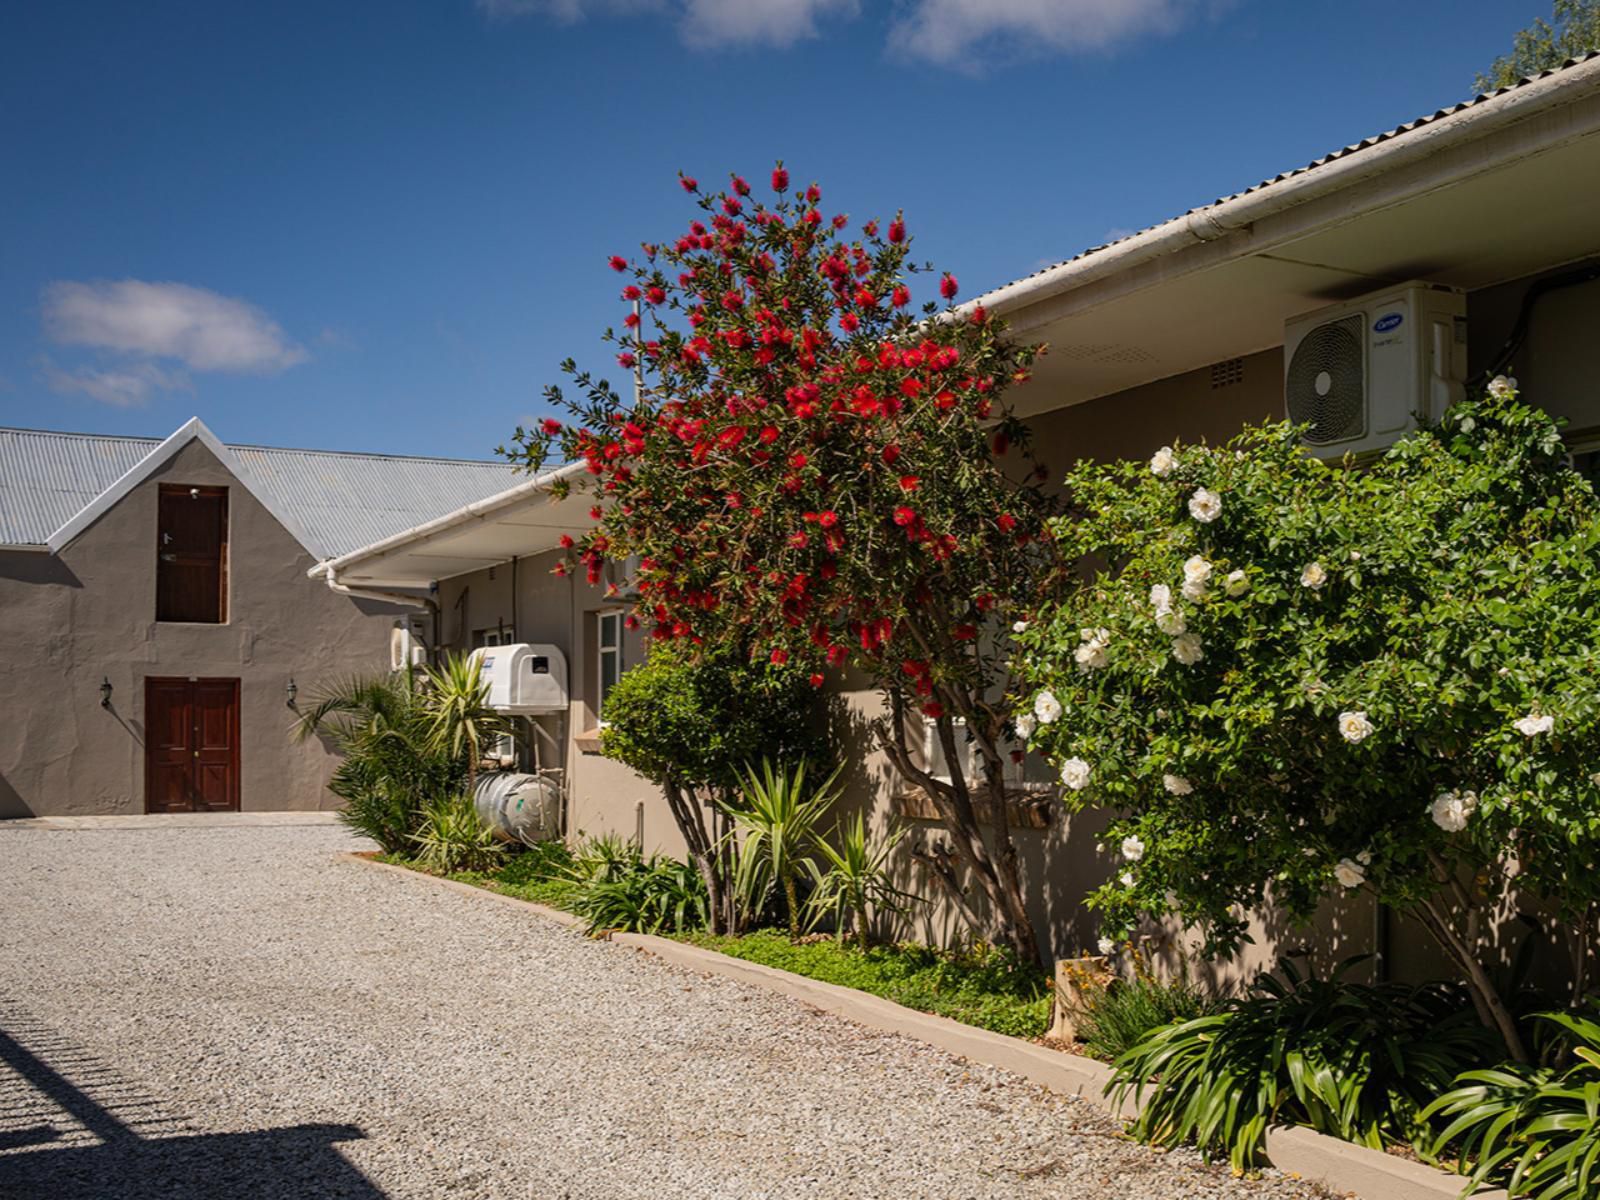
{"x":381,"y":224}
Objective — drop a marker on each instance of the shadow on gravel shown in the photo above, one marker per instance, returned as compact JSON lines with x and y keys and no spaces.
{"x":89,"y":1137}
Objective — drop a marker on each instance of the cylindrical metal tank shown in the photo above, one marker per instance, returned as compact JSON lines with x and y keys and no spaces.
{"x":519,"y":808}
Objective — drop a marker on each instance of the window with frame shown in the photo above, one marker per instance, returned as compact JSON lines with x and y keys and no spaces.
{"x":500,"y":635}
{"x":608,"y":656}
{"x":969,"y":762}
{"x":192,"y":554}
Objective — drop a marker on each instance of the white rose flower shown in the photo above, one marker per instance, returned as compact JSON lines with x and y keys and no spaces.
{"x":1177,"y":785}
{"x":1046,"y":707}
{"x":1595,"y":779}
{"x":1075,"y":774}
{"x":1350,"y":873}
{"x":1354,"y":726}
{"x":1126,"y":879}
{"x":1452,"y":810}
{"x":1019,"y":627}
{"x":1026,"y":724}
{"x":1313,"y":576}
{"x":1160,"y":597}
{"x":1170,"y":621}
{"x":1238,"y":583}
{"x":1501,"y":386}
{"x":1132,"y":848}
{"x":1205,"y":506}
{"x":1533,"y":724}
{"x":1091,"y":656}
{"x":1106,"y":947}
{"x":1194,"y":590}
{"x":1163,"y":461}
{"x":1186,"y":649}
{"x":1196,"y":568}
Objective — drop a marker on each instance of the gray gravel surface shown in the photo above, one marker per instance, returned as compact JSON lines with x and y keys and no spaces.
{"x":232,"y":1012}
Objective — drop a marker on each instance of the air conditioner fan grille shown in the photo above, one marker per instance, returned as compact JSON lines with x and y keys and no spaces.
{"x":1326,"y":386}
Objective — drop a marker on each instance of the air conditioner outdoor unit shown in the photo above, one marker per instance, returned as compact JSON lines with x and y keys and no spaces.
{"x":1360,"y":374}
{"x":406,"y":646}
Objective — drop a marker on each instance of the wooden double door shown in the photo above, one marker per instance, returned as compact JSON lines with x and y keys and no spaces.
{"x":191,"y":745}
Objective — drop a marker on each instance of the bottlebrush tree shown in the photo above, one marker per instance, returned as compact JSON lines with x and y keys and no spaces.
{"x":812,"y":470}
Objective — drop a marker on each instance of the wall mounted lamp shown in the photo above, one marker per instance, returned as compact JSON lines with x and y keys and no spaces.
{"x":291,"y":692}
{"x":105,"y":692}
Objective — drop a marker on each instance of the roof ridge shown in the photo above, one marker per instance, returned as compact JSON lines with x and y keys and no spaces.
{"x":136,"y":437}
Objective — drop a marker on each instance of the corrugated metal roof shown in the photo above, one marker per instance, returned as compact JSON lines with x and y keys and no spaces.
{"x":341,"y":501}
{"x":1334,"y":156}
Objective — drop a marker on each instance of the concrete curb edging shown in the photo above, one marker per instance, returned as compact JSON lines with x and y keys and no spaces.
{"x":1341,"y":1166}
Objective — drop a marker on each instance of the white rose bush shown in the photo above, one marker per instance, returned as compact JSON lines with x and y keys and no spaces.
{"x":1322,"y":680}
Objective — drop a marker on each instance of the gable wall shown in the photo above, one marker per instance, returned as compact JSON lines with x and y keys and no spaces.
{"x":89,"y":613}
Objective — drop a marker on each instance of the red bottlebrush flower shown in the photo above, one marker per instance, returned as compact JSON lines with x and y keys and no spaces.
{"x":816,"y":679}
{"x":780,"y":656}
{"x":891,"y":452}
{"x":799,"y":540}
{"x":813,"y":193}
{"x":849,"y":322}
{"x":840,"y":220}
{"x":780,"y":179}
{"x":618,"y":263}
{"x":594,"y":513}
{"x":566,"y":541}
{"x":870,"y":229}
{"x":550,"y":426}
{"x":626,"y":360}
{"x":865,"y":298}
{"x":733,"y":206}
{"x":828,"y":519}
{"x":901,"y":295}
{"x":948,"y":287}
{"x":910,"y":483}
{"x":769,"y":434}
{"x":740,"y":186}
{"x":945,"y":400}
{"x":836,"y":655}
{"x":933,"y":709}
{"x":897,"y":231}
{"x":964,"y":633}
{"x":984,"y":602}
{"x":1006,"y":522}
{"x":980,"y":315}
{"x":654,"y":295}
{"x":631,"y":622}
{"x":688,"y":183}
{"x":904,"y":516}
{"x":631,"y":292}
{"x":797,"y":461}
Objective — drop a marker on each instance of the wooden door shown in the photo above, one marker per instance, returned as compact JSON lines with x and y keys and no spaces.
{"x":192,"y":555}
{"x":191,"y":745}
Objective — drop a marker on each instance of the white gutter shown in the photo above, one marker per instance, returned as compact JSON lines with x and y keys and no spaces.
{"x":478,"y":510}
{"x":366,"y":593}
{"x":1199,"y":226}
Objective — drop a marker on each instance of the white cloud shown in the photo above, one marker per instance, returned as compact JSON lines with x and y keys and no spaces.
{"x":123,"y":387}
{"x":198,"y":328}
{"x":781,"y":23}
{"x":702,"y":24}
{"x":962,"y":33}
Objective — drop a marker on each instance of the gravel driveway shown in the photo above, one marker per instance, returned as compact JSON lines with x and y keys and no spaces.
{"x":192,"y":1013}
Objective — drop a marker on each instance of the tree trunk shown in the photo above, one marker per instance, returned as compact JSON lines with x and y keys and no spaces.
{"x":1492,"y":1010}
{"x":792,"y":900}
{"x":687,"y":814}
{"x":998,"y":879}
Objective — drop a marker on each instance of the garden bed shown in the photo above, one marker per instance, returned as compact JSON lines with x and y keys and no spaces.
{"x":977,"y":987}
